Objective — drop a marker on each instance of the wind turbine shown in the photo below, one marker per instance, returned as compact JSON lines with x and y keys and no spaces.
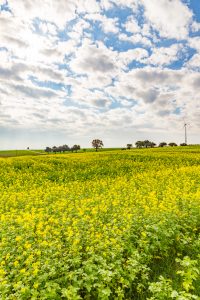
{"x":185,"y":126}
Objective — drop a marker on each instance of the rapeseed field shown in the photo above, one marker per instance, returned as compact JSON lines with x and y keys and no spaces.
{"x":110,"y":225}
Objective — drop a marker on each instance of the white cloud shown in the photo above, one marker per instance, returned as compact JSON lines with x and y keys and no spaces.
{"x":93,"y":58}
{"x":58,"y":12}
{"x":110,"y":25}
{"x":48,"y":28}
{"x":87,"y":97}
{"x":89,"y":6}
{"x":170,"y":18}
{"x":137,"y":54}
{"x":195,"y":26}
{"x":148,"y":96}
{"x":80,"y":26}
{"x":17,"y":71}
{"x":18,"y":38}
{"x":106,"y":4}
{"x":135,"y":39}
{"x":132,"y":25}
{"x":194,"y":62}
{"x":133,"y":4}
{"x":159,"y":92}
{"x":164,"y":55}
{"x":194,"y":43}
{"x":44,"y":10}
{"x":83,"y":81}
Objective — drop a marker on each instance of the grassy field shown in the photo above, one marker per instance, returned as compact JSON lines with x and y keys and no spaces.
{"x":105,"y":225}
{"x":13,"y":153}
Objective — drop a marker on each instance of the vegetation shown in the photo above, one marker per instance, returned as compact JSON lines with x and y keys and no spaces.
{"x":172,"y":144}
{"x":63,"y":149}
{"x":97,"y":144}
{"x":145,"y":144}
{"x":75,"y":148}
{"x":106,"y":225}
{"x":12,"y":153}
{"x":129,"y":146}
{"x":162,"y":144}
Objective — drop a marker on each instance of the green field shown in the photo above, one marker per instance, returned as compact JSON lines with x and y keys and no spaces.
{"x":101,"y":225}
{"x":13,"y":153}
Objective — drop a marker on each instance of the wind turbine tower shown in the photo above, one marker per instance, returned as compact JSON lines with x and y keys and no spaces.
{"x":185,"y":126}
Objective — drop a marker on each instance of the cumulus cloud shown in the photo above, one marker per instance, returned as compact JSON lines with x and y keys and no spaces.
{"x":194,"y":43}
{"x":133,"y":4}
{"x":136,"y":54}
{"x":110,"y":25}
{"x":148,"y":96}
{"x":164,"y":55}
{"x":135,"y":39}
{"x":102,"y":65}
{"x":170,"y":18}
{"x":106,"y":4}
{"x":94,"y":98}
{"x":132,"y":25}
{"x":159,"y":91}
{"x":194,"y":62}
{"x":195,"y":26}
{"x":95,"y":58}
{"x":43,"y":10}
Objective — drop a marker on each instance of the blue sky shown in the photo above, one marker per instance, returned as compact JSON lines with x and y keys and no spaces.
{"x":72,"y":71}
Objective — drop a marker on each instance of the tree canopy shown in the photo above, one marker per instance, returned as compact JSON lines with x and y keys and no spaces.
{"x":145,"y":144}
{"x":96,"y":143}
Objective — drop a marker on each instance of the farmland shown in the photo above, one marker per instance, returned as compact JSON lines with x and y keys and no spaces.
{"x":105,"y":225}
{"x":13,"y":153}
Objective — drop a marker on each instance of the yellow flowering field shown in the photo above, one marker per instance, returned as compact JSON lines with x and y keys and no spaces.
{"x":105,"y":225}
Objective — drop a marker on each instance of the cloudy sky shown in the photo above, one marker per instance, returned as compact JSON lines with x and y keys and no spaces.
{"x":118,"y":70}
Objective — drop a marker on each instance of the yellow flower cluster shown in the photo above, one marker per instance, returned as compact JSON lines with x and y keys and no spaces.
{"x":93,"y":225}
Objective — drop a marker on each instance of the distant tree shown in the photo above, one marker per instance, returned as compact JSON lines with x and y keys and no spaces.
{"x":147,"y":143}
{"x":172,"y":144}
{"x":65,"y":148}
{"x":54,"y":149}
{"x":129,"y":146}
{"x":152,"y":144}
{"x":139,"y":144}
{"x":48,"y":149}
{"x":75,"y":148}
{"x":183,"y":144}
{"x":162,"y":144}
{"x":97,"y":144}
{"x":60,"y":149}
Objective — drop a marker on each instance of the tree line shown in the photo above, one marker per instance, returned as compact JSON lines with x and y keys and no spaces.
{"x":63,"y":149}
{"x":96,"y":144}
{"x":149,"y":144}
